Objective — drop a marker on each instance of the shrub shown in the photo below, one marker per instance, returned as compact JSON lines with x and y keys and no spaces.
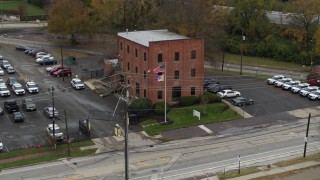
{"x":159,"y":108}
{"x":210,"y":98}
{"x":140,"y":107}
{"x":188,"y":100}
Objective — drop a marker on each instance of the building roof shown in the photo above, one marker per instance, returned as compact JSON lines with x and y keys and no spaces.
{"x":145,"y":37}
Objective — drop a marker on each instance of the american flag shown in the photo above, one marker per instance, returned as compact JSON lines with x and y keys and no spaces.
{"x":159,"y":69}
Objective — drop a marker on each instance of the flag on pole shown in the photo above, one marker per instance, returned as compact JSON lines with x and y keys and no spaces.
{"x":159,"y":69}
{"x":160,"y":77}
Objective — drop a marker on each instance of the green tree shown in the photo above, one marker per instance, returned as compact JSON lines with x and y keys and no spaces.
{"x":69,"y":18}
{"x":303,"y":14}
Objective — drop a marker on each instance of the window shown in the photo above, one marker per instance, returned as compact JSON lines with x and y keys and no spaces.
{"x":128,"y":82}
{"x":128,"y":49}
{"x":128,"y":66}
{"x":136,"y":70}
{"x":144,"y":56}
{"x":136,"y":52}
{"x":144,"y":93}
{"x":144,"y":74}
{"x":193,"y":90}
{"x":159,"y":94}
{"x":193,"y":54}
{"x":176,"y":56}
{"x":160,"y":57}
{"x":137,"y":89}
{"x":176,"y":74}
{"x":193,"y":72}
{"x":120,"y":45}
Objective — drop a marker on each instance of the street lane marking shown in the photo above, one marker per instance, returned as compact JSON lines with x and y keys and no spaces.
{"x":8,"y":118}
{"x":205,"y":129}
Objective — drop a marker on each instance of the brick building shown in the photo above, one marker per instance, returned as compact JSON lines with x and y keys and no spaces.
{"x":181,"y":59}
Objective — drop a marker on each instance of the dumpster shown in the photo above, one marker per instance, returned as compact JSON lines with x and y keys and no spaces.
{"x":71,"y":60}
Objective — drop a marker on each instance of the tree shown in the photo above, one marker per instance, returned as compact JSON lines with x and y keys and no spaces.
{"x":249,"y":18}
{"x":69,"y":18}
{"x":303,"y":14}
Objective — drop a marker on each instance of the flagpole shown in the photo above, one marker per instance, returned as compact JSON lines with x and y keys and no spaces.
{"x":165,"y":92}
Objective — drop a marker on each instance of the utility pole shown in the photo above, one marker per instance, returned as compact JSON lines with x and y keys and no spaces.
{"x":53,"y":119}
{"x":67,"y":132}
{"x":126,"y":139}
{"x":306,"y":138}
{"x":242,"y":39}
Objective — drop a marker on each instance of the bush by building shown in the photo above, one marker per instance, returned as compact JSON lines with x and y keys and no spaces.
{"x":188,"y":100}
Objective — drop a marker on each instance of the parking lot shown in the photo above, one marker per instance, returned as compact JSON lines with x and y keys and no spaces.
{"x":76,"y":103}
{"x":267,"y":98}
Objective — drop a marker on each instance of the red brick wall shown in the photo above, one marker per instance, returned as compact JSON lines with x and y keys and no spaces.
{"x":168,"y":49}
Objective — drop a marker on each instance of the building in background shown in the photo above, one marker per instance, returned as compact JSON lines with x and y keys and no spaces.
{"x":151,"y":60}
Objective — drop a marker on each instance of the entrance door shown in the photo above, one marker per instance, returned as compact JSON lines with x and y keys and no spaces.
{"x":176,"y":93}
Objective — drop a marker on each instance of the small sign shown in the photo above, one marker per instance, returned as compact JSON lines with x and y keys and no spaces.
{"x":196,"y":113}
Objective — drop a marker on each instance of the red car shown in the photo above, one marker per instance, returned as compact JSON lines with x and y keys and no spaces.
{"x":62,"y":72}
{"x":55,"y":69}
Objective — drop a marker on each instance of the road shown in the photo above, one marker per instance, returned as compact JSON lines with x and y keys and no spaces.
{"x":185,"y":158}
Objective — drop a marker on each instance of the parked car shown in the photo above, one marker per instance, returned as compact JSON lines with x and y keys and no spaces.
{"x":288,"y":85}
{"x":4,"y":91}
{"x":77,"y":83}
{"x":274,"y":79}
{"x":1,"y":145}
{"x":39,"y":54}
{"x":21,"y":47}
{"x":11,"y":106}
{"x":18,"y":89}
{"x":5,"y":64}
{"x":216,"y":89}
{"x":280,"y":82}
{"x":1,"y":72}
{"x":228,"y":93}
{"x":1,"y":57}
{"x":58,"y":134}
{"x":2,"y":82}
{"x":208,"y":82}
{"x":296,"y":89}
{"x":306,"y":91}
{"x":28,"y":105}
{"x":11,"y":81}
{"x":62,"y":72}
{"x":17,"y":117}
{"x":32,"y":87}
{"x":48,"y":69}
{"x":1,"y":111}
{"x":48,"y":111}
{"x":35,"y":51}
{"x":314,"y":95}
{"x":241,"y":101}
{"x":42,"y":58}
{"x":55,"y":69}
{"x":10,"y":70}
{"x":48,"y":61}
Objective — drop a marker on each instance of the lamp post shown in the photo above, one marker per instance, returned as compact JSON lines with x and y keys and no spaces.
{"x":242,"y":39}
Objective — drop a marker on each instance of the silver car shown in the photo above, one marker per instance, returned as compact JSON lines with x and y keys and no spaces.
{"x":48,"y":111}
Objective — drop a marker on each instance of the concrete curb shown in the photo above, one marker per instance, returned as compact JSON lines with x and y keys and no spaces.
{"x":237,"y":109}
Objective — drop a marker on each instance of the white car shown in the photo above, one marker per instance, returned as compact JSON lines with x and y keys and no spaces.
{"x":228,"y":93}
{"x":1,"y":146}
{"x":39,"y":54}
{"x":314,"y":95}
{"x":1,"y":57}
{"x":32,"y":87}
{"x":5,"y":64}
{"x":296,"y":89}
{"x":48,"y":69}
{"x":2,"y":82}
{"x":280,"y":82}
{"x":4,"y":91}
{"x":18,"y":89}
{"x":77,"y":83}
{"x":306,"y":91}
{"x":1,"y":71}
{"x":38,"y":60}
{"x":57,"y":131}
{"x":274,"y":79}
{"x":287,"y":86}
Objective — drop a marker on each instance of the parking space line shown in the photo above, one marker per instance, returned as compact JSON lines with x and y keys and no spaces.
{"x":25,"y":117}
{"x":205,"y":129}
{"x":41,"y":115}
{"x":8,"y":118}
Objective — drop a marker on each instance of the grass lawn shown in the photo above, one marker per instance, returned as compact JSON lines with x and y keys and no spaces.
{"x":182,"y":117}
{"x":261,"y":62}
{"x":14,"y":5}
{"x":44,"y":154}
